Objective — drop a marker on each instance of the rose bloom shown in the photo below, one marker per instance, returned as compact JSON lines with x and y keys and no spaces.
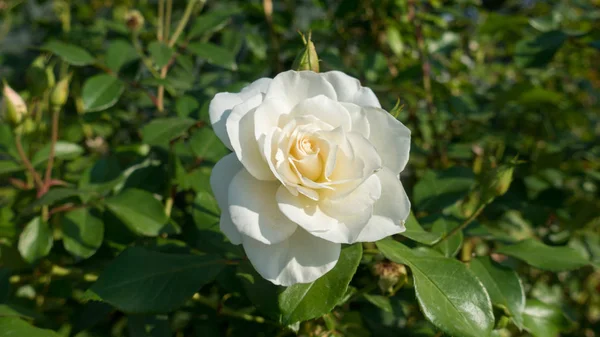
{"x":315,"y":164}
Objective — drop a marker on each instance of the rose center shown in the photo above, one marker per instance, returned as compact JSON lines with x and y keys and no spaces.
{"x":306,"y":158}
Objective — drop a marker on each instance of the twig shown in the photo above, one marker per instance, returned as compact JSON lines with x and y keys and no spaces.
{"x":426,"y":70}
{"x":464,"y":224}
{"x":48,"y":175}
{"x":184,"y":20}
{"x":161,"y":18}
{"x":223,"y":310}
{"x":27,"y":163}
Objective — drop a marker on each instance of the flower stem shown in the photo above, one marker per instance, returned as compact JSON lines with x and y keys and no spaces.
{"x":465,"y":223}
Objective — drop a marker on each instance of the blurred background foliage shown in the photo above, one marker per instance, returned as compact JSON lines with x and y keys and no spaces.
{"x":481,"y":84}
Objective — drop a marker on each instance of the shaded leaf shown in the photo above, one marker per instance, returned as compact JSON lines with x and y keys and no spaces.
{"x":545,"y":257}
{"x":161,"y":53}
{"x":161,"y":131}
{"x":440,"y":189}
{"x":214,"y":54}
{"x":119,"y":53}
{"x":134,"y":285}
{"x":82,"y":233}
{"x":16,"y":327}
{"x":139,"y":210}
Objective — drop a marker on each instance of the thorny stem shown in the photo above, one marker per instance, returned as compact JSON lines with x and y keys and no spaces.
{"x":27,"y":163}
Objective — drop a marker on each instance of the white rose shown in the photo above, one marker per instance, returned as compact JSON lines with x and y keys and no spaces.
{"x":316,"y":164}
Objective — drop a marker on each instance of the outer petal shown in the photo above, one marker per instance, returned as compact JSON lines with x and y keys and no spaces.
{"x":220,"y":179}
{"x":302,"y":258}
{"x":221,"y":105}
{"x":360,"y":123}
{"x":390,"y":137}
{"x":338,"y":221}
{"x":254,"y":209}
{"x":295,"y":86}
{"x":240,"y":128}
{"x":389,"y":212}
{"x":348,"y":89}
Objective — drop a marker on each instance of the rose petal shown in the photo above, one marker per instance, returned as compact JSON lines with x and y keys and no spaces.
{"x":339,"y":221}
{"x":348,"y":89}
{"x":221,"y":105}
{"x":302,"y":258}
{"x":360,"y":123}
{"x":220,"y":179}
{"x":324,"y":109}
{"x":390,"y":137}
{"x":254,"y":209}
{"x":296,"y":86}
{"x":389,"y":212}
{"x":240,"y":128}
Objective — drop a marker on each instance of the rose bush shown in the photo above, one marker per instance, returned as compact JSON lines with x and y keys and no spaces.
{"x":315,"y":164}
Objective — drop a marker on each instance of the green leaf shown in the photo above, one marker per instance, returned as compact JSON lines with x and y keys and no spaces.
{"x":545,"y":257}
{"x":62,"y":150}
{"x":36,"y":240}
{"x":119,"y":53}
{"x":205,"y":144}
{"x":100,"y":92}
{"x":451,"y":245}
{"x":302,"y":302}
{"x":55,"y":195}
{"x":538,"y":52}
{"x":449,"y":295}
{"x":143,"y":281}
{"x":139,"y":210}
{"x":415,"y":232}
{"x":161,"y":131}
{"x":82,"y":233}
{"x":71,"y":54}
{"x":544,"y":320}
{"x":210,"y":22}
{"x":16,"y":327}
{"x":186,"y":105}
{"x":9,"y":166}
{"x":161,"y":53}
{"x":214,"y":54}
{"x":503,"y":285}
{"x":379,"y":301}
{"x":439,"y":189}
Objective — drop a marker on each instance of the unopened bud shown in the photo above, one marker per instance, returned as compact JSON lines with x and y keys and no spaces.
{"x":498,"y":181}
{"x":307,"y":59}
{"x":390,"y":274}
{"x":39,"y":77}
{"x":60,"y":93}
{"x":134,"y":20}
{"x":13,"y":105}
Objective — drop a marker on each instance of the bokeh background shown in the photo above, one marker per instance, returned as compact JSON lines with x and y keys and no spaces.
{"x":480,"y":82}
